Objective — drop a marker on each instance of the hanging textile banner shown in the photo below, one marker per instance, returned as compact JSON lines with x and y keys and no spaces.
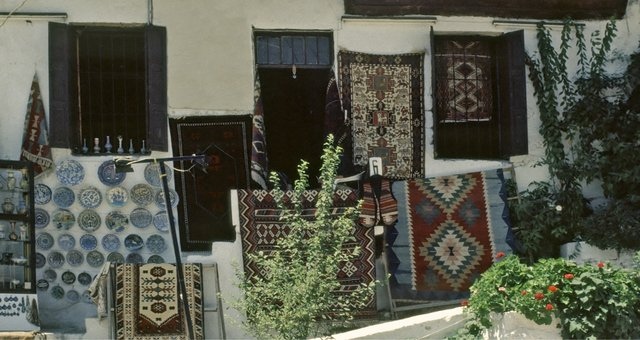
{"x":259,"y":160}
{"x":35,"y":140}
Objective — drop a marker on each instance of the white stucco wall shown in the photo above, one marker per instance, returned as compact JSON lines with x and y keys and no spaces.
{"x":210,"y":68}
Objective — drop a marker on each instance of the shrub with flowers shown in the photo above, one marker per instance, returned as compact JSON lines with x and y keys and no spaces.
{"x":589,"y":301}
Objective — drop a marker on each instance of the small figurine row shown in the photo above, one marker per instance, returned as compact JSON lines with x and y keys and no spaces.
{"x":108,"y":146}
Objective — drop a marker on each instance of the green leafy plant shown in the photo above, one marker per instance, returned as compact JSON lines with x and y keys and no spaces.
{"x":295,"y":295}
{"x":588,"y":301}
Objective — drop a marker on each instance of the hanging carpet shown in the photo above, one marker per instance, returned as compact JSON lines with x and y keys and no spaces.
{"x":383,"y":95}
{"x":35,"y":140}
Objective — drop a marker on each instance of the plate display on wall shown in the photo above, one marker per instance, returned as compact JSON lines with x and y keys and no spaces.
{"x":117,"y":196}
{"x":68,"y":277}
{"x":73,"y":295}
{"x":95,"y":258}
{"x":116,"y":221}
{"x":57,"y":292}
{"x":63,"y":219}
{"x":41,"y":194}
{"x":84,"y":278}
{"x":173,"y":198}
{"x":50,"y":275}
{"x":142,"y":194}
{"x":40,"y":260}
{"x":66,"y":241}
{"x":88,"y":242}
{"x":75,"y":258}
{"x":155,"y":259}
{"x":155,"y":244}
{"x":41,"y":218}
{"x":44,"y":241}
{"x":133,"y":242}
{"x":90,"y":197}
{"x":108,"y":175}
{"x":140,"y":217}
{"x":89,"y":220}
{"x":152,"y":174}
{"x":55,"y":259}
{"x":115,"y":257}
{"x":134,"y":258}
{"x":70,"y":172}
{"x":161,"y":221}
{"x":63,"y":197}
{"x":110,"y":242}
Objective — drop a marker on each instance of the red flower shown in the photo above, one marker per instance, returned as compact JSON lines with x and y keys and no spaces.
{"x":548,"y":306}
{"x":464,"y":303}
{"x":500,"y":255}
{"x":523,"y":293}
{"x":553,"y":288}
{"x":568,"y":276}
{"x":600,"y":264}
{"x":539,"y":296}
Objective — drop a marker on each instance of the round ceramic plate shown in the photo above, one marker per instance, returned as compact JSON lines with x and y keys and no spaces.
{"x":95,"y":258}
{"x":90,"y":197}
{"x":155,"y":244}
{"x":84,"y":279}
{"x":68,"y":277}
{"x":57,"y":292}
{"x":50,"y":275}
{"x":63,"y":219}
{"x":161,"y":221}
{"x":41,"y":218}
{"x":88,"y":242}
{"x":142,"y":194}
{"x":134,"y":258}
{"x":115,"y":257}
{"x":155,"y":259}
{"x":73,"y":295}
{"x":89,"y":220}
{"x":44,"y":241}
{"x":152,"y":174}
{"x":133,"y":242}
{"x":117,"y":196}
{"x":86,"y":297}
{"x":55,"y":259}
{"x":66,"y":241}
{"x":42,"y":285}
{"x":70,"y":172}
{"x":173,"y":198}
{"x":75,"y":258}
{"x":140,"y":217}
{"x":110,"y":242}
{"x":116,"y":221}
{"x":108,"y":175}
{"x":41,"y":193}
{"x":40,"y":260}
{"x":63,"y":197}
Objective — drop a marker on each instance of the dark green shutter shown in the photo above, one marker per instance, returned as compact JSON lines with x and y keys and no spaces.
{"x":61,"y":56}
{"x":157,"y":124}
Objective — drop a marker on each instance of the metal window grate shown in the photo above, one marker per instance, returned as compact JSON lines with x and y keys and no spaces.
{"x":284,"y":49}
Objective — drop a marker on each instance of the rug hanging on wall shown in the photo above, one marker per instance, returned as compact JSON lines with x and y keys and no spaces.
{"x":383,"y":95}
{"x":261,"y":227}
{"x":35,"y":140}
{"x":147,"y":304}
{"x":448,"y":232}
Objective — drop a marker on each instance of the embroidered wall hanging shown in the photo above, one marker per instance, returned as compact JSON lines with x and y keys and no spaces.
{"x":384,"y":97}
{"x":35,"y":140}
{"x":147,"y":304}
{"x":448,"y":231}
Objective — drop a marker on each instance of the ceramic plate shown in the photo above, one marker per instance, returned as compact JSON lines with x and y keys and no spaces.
{"x":140,"y":217}
{"x":75,"y":258}
{"x":66,"y":241}
{"x":42,"y":285}
{"x":173,"y":198}
{"x":40,"y":260}
{"x":41,"y":217}
{"x":88,"y":242}
{"x":116,"y":221}
{"x":68,"y":277}
{"x":57,"y":292}
{"x":89,"y":220}
{"x":44,"y":241}
{"x":155,"y":244}
{"x":50,"y":275}
{"x":63,"y":197}
{"x":161,"y":221}
{"x":110,"y":242}
{"x":41,"y":193}
{"x":55,"y":259}
{"x":63,"y":219}
{"x":134,"y":258}
{"x":152,"y":174}
{"x":73,"y":295}
{"x":142,"y":194}
{"x":86,"y":297}
{"x":108,"y":175}
{"x":115,"y":257}
{"x":84,"y":279}
{"x":155,"y":259}
{"x":95,"y":258}
{"x":133,"y":242}
{"x":117,"y":196}
{"x":90,"y":197}
{"x":70,"y":172}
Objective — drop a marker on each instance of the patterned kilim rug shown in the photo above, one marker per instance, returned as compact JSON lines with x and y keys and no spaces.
{"x":448,"y":232}
{"x":383,"y":94}
{"x":261,"y":228}
{"x":147,"y":304}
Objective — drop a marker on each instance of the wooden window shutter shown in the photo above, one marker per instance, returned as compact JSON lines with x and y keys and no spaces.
{"x":157,"y":124}
{"x":61,"y":85}
{"x":510,"y":56}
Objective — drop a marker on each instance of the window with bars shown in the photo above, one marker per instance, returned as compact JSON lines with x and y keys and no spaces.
{"x":285,"y":49}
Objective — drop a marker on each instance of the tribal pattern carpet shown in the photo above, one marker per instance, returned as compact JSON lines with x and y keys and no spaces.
{"x":383,"y":95}
{"x":147,"y":304}
{"x":448,"y":232}
{"x":261,"y":228}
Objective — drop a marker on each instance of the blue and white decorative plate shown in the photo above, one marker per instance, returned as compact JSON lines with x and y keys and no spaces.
{"x":44,"y":241}
{"x":110,"y":242}
{"x":117,"y":196}
{"x":116,"y":221}
{"x":50,"y":275}
{"x":63,"y":219}
{"x":63,"y":197}
{"x":152,"y":174}
{"x":70,"y":172}
{"x":84,"y":278}
{"x":41,"y":218}
{"x":155,"y":259}
{"x":55,"y":259}
{"x":134,"y":258}
{"x":41,"y":193}
{"x":161,"y":221}
{"x":66,"y":241}
{"x":133,"y":242}
{"x":75,"y":258}
{"x":40,"y":260}
{"x":88,"y":242}
{"x":142,"y":194}
{"x":115,"y":257}
{"x":42,"y":285}
{"x":57,"y":292}
{"x":95,"y":258}
{"x":73,"y":295}
{"x":86,"y":297}
{"x":155,"y":244}
{"x":89,"y":220}
{"x":173,"y":198}
{"x":68,"y":277}
{"x":108,"y":175}
{"x":140,"y":217}
{"x":90,"y":197}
